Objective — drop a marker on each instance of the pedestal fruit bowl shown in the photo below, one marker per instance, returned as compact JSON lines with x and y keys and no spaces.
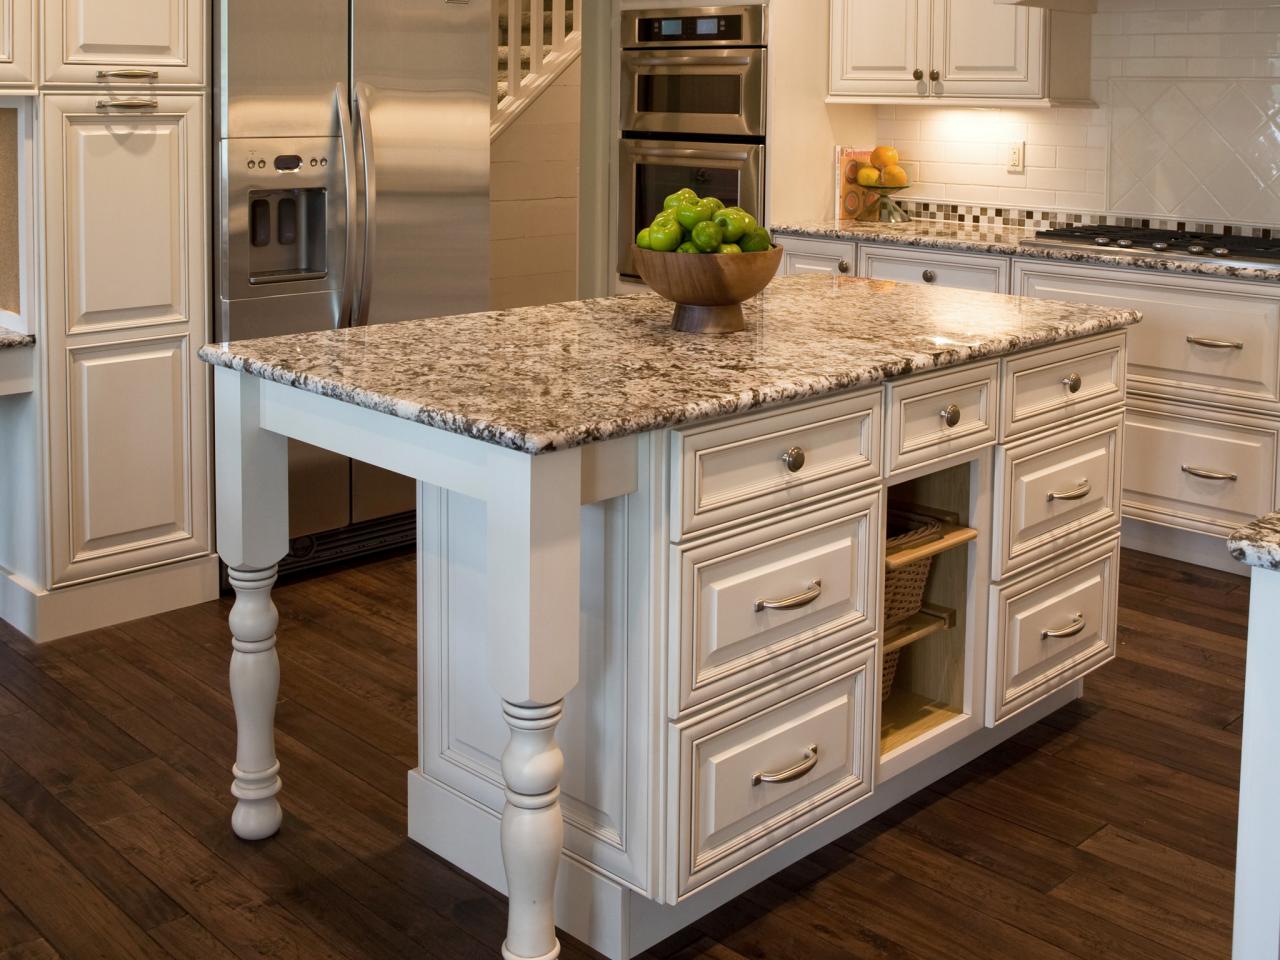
{"x":709,"y":289}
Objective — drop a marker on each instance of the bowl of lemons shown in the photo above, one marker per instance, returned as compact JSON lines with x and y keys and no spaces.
{"x":708,"y":259}
{"x":884,"y":176}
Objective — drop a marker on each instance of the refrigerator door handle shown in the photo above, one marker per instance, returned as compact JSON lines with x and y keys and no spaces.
{"x":365,"y":129}
{"x":349,"y":198}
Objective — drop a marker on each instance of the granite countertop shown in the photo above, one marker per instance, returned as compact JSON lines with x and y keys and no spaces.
{"x":1006,"y":241}
{"x":1258,"y":543}
{"x":544,"y":378}
{"x":12,"y":338}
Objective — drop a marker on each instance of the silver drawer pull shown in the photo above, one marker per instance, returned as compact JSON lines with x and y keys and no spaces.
{"x":793,"y":459}
{"x":792,"y":603}
{"x":791,"y":773}
{"x":1078,"y":492}
{"x":1216,"y":344}
{"x":129,"y":74}
{"x":128,"y":103}
{"x":1073,"y":383}
{"x":1205,"y":474}
{"x":843,"y":266}
{"x":1076,"y":626}
{"x":950,"y":415}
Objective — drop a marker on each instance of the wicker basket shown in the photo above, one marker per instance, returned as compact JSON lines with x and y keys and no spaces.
{"x":904,"y":587}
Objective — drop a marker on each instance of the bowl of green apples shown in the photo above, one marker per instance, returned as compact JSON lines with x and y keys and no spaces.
{"x":708,"y":259}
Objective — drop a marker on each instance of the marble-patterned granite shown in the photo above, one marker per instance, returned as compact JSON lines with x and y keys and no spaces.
{"x":1007,"y":241}
{"x":10,"y":339}
{"x":1258,"y":544}
{"x":544,"y":378}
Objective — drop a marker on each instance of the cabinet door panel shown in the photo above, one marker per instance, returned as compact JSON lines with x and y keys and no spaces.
{"x":84,"y":37}
{"x":877,"y":45}
{"x":984,"y":49}
{"x":121,"y":194}
{"x":17,"y":43}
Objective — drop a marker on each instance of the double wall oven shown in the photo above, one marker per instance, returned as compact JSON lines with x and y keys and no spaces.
{"x":694,"y":109}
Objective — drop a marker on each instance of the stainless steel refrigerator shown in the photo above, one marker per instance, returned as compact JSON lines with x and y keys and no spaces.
{"x":352,"y":168}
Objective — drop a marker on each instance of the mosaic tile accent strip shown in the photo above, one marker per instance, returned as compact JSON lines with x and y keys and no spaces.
{"x":997,"y":216}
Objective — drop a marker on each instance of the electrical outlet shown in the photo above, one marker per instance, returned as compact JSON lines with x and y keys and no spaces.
{"x":1017,"y":157}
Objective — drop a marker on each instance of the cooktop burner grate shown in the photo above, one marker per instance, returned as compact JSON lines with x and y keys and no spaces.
{"x":1184,"y":243}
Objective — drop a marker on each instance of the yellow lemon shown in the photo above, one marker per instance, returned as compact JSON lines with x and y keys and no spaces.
{"x":868,"y":177}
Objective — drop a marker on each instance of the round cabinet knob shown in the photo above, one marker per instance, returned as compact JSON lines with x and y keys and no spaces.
{"x":934,"y":75}
{"x":1073,"y":383}
{"x":929,"y":276}
{"x":843,"y":266}
{"x":793,"y":459}
{"x":951,"y":415}
{"x":917,"y":74}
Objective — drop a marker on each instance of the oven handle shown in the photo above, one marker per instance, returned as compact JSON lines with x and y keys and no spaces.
{"x":702,"y":61}
{"x":692,"y":154}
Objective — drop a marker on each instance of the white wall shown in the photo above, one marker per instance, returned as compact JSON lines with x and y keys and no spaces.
{"x":1182,"y":130}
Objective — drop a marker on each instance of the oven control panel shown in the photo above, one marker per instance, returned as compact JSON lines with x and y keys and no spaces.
{"x":695,"y":27}
{"x":660,"y":29}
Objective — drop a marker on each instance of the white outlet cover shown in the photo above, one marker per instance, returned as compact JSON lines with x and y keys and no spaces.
{"x":1017,"y":156}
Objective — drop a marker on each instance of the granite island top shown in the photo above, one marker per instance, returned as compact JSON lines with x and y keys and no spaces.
{"x":1258,"y":543}
{"x":1006,"y":241}
{"x":10,"y":339}
{"x":543,"y":378}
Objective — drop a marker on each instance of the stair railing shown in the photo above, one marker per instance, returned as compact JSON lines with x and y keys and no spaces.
{"x":545,"y":61}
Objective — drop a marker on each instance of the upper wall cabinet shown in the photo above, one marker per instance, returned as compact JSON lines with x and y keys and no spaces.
{"x":123,"y":42}
{"x":17,"y":43}
{"x":965,"y":52}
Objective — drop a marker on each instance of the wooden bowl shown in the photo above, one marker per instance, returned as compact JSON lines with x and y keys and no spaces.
{"x":708,"y":288}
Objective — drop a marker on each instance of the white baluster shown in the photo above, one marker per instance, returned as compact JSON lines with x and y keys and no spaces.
{"x":537,"y":18}
{"x":515,"y":33}
{"x":532,"y":829}
{"x":255,"y":683}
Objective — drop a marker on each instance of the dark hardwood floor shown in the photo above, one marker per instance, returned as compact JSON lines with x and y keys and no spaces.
{"x":1106,"y":832}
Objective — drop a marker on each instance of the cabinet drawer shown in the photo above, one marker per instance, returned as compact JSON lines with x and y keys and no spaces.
{"x":1200,"y":340}
{"x":1052,"y":627}
{"x":750,"y":604}
{"x":760,"y":772}
{"x":727,"y":471}
{"x":990,"y":274}
{"x":1197,"y":471}
{"x":1048,"y":387}
{"x":124,"y":43}
{"x":1057,"y":489}
{"x":935,"y":416}
{"x":805,"y":255}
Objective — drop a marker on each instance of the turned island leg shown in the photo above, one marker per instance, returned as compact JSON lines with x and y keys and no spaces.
{"x":534,"y":550}
{"x":253,"y":534}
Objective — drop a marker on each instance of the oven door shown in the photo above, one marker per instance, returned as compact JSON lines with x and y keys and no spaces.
{"x":718,"y":92}
{"x":651,"y":170}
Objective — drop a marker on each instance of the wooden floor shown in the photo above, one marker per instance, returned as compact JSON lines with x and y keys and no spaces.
{"x":1105,"y":832}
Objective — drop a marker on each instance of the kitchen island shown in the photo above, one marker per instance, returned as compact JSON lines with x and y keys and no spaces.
{"x":669,"y":553}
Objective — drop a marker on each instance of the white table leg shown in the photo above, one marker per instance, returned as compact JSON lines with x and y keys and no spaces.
{"x":534,"y":556}
{"x":1257,"y":911}
{"x":253,"y":534}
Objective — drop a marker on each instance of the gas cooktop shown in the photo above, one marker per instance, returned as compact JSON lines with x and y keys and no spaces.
{"x":1166,"y":244}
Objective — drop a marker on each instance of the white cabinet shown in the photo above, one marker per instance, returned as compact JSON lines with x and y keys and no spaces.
{"x":965,"y":271}
{"x":17,"y":43}
{"x":112,"y":42}
{"x":125,"y":272}
{"x":970,"y":51}
{"x":804,"y":255}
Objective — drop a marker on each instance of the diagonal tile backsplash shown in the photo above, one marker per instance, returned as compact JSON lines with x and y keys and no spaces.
{"x":1196,"y":149}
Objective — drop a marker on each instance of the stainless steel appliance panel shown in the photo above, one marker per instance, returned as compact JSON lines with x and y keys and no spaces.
{"x":649,"y":170}
{"x":734,"y":26}
{"x":422,"y":111}
{"x":278,"y":62}
{"x":720,"y":92}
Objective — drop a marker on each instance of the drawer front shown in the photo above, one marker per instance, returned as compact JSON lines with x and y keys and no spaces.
{"x":802,"y":255}
{"x":919,"y":428}
{"x":1048,"y":387}
{"x":1190,"y":469}
{"x":1198,"y":340}
{"x":1052,"y":627}
{"x":1059,"y":489}
{"x":728,"y":471}
{"x":990,"y":274}
{"x":751,"y":604}
{"x":758,"y":773}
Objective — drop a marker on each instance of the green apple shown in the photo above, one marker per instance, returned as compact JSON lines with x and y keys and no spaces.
{"x":642,"y":239}
{"x":715,"y":202}
{"x":683,"y":195}
{"x":693,"y":213}
{"x":757,"y":241}
{"x":665,"y":237}
{"x":687,"y":247}
{"x":733,"y":223}
{"x":707,"y":236}
{"x":728,"y":248}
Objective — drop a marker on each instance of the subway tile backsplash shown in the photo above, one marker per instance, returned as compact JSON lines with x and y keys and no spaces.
{"x":1187,"y":126}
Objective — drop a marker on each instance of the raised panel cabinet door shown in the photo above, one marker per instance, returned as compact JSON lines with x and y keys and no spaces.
{"x":880,"y":48}
{"x":985,"y":49}
{"x":128,"y":455}
{"x":17,"y":43}
{"x":124,"y":42}
{"x":125,"y":213}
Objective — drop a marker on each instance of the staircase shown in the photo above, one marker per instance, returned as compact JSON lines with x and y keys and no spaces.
{"x":543,"y":53}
